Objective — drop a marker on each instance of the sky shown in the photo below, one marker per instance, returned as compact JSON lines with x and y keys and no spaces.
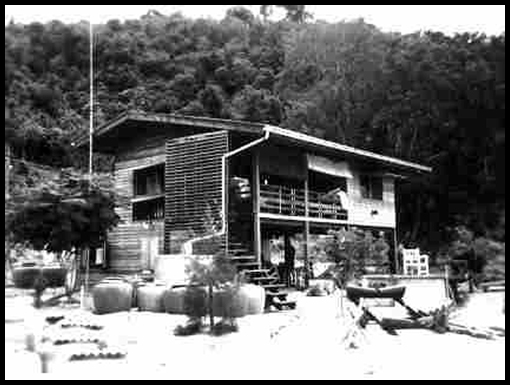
{"x":449,"y":19}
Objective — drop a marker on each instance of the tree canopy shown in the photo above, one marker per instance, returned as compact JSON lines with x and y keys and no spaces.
{"x":425,"y":97}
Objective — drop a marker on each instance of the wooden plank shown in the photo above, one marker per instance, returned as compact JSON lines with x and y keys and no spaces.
{"x":129,"y":166}
{"x":144,"y":198}
{"x":263,"y":215}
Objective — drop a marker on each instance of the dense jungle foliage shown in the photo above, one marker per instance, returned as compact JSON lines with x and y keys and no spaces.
{"x":425,"y":97}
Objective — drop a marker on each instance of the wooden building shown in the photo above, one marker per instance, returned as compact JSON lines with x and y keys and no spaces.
{"x":198,"y":185}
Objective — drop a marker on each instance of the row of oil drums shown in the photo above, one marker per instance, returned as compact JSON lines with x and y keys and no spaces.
{"x":26,"y":276}
{"x":116,"y":295}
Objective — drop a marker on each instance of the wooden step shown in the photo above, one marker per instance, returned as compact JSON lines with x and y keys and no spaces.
{"x":258,"y":271}
{"x":272,"y":286}
{"x":238,"y":258}
{"x":247,"y":266}
{"x":235,"y":253}
{"x":280,"y":305}
{"x":262,"y":279}
{"x":281,"y":295}
{"x":234,"y":244}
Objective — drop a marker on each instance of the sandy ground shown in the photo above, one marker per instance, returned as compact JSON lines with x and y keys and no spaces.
{"x":300,"y":344}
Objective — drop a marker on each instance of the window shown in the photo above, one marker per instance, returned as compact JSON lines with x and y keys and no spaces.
{"x":149,"y":210}
{"x":149,"y":187}
{"x":149,"y":181}
{"x":371,"y":187}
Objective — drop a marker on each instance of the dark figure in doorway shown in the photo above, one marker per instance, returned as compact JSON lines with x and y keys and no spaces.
{"x":290,"y":256}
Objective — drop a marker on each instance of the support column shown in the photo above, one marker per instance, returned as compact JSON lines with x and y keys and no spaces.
{"x":395,"y":241}
{"x":7,"y":196}
{"x":226,"y":206}
{"x":307,"y":233}
{"x":395,"y":246}
{"x":256,"y":206}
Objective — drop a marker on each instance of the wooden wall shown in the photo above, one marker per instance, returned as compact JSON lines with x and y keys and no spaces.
{"x":193,"y":196}
{"x":361,"y":209}
{"x":126,"y":242}
{"x":193,"y":187}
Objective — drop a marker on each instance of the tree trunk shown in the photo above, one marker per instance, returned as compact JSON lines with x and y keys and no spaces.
{"x":8,"y":263}
{"x":417,"y":220}
{"x":210,"y":305}
{"x":71,"y":275}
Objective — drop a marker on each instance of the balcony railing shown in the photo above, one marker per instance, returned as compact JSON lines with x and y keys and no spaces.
{"x":282,"y":200}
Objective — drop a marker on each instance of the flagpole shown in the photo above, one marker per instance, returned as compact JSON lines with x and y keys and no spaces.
{"x":91,"y":131}
{"x":91,"y":102}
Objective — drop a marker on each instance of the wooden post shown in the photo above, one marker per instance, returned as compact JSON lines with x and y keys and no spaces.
{"x":397,"y":264}
{"x":7,"y":169}
{"x":395,"y":241}
{"x":307,"y":232}
{"x":225,"y":205}
{"x":7,"y":196}
{"x":256,"y":206}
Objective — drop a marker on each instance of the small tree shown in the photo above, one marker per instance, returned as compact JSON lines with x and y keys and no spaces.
{"x":211,"y":275}
{"x":349,"y":250}
{"x":64,"y":215}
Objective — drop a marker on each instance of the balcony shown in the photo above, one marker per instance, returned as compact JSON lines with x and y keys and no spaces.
{"x":282,"y":200}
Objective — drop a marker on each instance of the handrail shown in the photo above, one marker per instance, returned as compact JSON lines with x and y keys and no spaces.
{"x":286,"y":199}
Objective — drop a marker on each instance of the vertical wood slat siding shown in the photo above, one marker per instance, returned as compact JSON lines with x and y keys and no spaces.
{"x":124,"y":241}
{"x":193,"y":187}
{"x":360,"y":210}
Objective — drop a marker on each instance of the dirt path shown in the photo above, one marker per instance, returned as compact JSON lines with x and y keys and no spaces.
{"x":300,"y":344}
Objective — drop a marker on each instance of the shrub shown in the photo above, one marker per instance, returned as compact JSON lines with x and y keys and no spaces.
{"x":195,"y":302}
{"x":352,"y":251}
{"x":228,"y":302}
{"x":225,"y":326}
{"x":316,"y":291}
{"x":193,"y":326}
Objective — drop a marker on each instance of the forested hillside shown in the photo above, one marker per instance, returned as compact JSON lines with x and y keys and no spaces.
{"x":425,"y":97}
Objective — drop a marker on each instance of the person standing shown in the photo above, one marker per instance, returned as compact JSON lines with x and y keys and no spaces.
{"x":290,"y":256}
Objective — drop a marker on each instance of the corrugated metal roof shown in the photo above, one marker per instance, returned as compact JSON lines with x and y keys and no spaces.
{"x":249,"y":128}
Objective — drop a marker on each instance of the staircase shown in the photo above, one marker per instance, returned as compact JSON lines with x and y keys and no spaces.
{"x":246,"y":263}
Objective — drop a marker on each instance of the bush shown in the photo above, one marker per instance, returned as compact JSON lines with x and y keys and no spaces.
{"x":483,"y":257}
{"x":195,"y":302}
{"x":225,"y":326}
{"x":229,"y":303}
{"x":194,"y":326}
{"x":316,"y":291}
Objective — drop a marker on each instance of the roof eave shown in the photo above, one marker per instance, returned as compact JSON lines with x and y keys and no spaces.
{"x":345,"y":149}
